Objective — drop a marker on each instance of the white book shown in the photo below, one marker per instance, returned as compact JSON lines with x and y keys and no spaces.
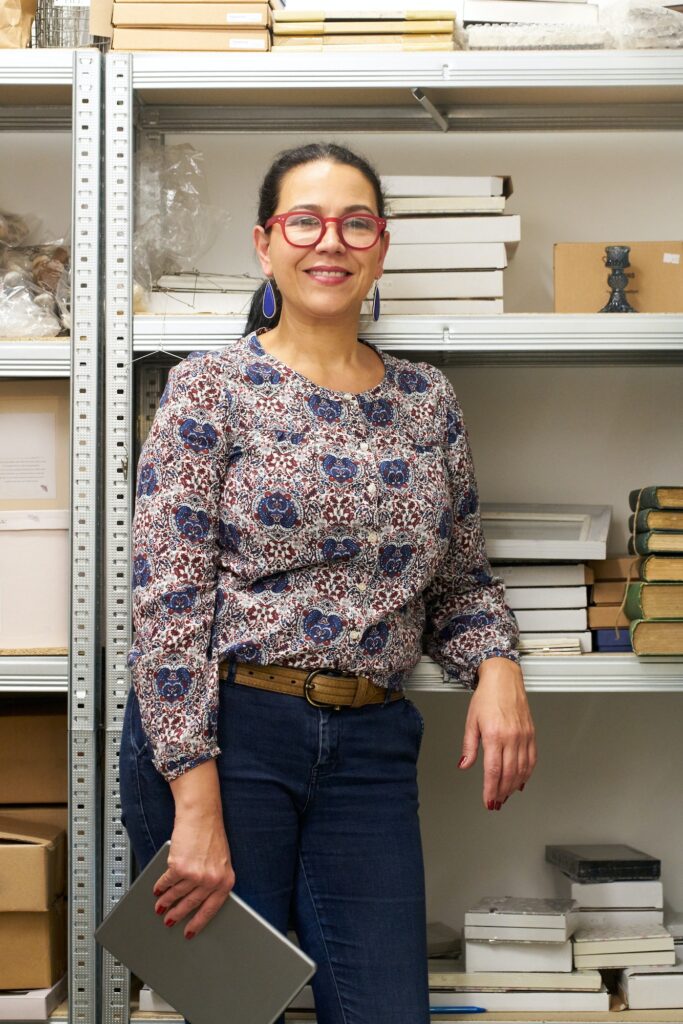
{"x":640,"y":959}
{"x":520,"y":1001}
{"x":451,"y":974}
{"x":506,"y":228}
{"x":498,"y":933}
{"x":405,"y":205}
{"x":610,"y":895}
{"x":32,"y":1003}
{"x":518,"y":956}
{"x":453,"y":256}
{"x":434,"y":284}
{"x":522,"y":912}
{"x":552,"y":619}
{"x":445,"y":185}
{"x":622,"y":939}
{"x":443,"y":307}
{"x":653,"y":988}
{"x":542,"y":575}
{"x":561,"y":643}
{"x":605,"y":918}
{"x":530,"y":11}
{"x":546,"y":597}
{"x":340,"y":7}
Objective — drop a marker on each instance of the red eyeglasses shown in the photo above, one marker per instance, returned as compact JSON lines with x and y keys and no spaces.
{"x":357,"y":230}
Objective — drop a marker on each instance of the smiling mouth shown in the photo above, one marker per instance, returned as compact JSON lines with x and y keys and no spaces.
{"x":333,"y":275}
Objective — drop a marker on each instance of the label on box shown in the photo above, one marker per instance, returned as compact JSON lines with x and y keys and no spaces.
{"x":70,"y":3}
{"x":246,"y":44}
{"x":241,"y":18}
{"x":671,"y":257}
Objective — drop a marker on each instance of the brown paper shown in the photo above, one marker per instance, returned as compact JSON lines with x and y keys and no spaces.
{"x":16,"y":20}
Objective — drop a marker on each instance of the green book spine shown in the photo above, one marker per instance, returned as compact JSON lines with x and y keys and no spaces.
{"x":646,"y":564}
{"x":633,"y":609}
{"x":642,"y":545}
{"x":633,"y":629}
{"x":648,"y":499}
{"x":643,"y":524}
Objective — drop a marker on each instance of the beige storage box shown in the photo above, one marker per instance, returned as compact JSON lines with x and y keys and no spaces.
{"x":580,"y":277}
{"x":32,"y":865}
{"x":34,"y":748}
{"x":33,"y":948}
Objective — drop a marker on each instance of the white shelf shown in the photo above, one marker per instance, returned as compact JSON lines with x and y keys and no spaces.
{"x":581,"y":673}
{"x":35,"y":88}
{"x":33,"y":674}
{"x":35,"y":358}
{"x":527,"y":337}
{"x":473,"y":90}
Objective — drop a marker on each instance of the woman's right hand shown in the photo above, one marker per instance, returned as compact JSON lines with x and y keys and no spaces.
{"x":199,"y":876}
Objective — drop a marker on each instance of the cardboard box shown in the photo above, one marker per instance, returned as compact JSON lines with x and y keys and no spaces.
{"x":191,"y":39}
{"x":580,"y":276}
{"x":191,"y":15}
{"x":34,"y":1003}
{"x":33,"y":948}
{"x":32,"y":865}
{"x":34,"y":425}
{"x":34,"y":751}
{"x":46,"y":814}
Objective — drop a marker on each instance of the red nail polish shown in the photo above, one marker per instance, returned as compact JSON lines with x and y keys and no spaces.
{"x":169,"y":924}
{"x":162,"y":910}
{"x":190,"y":935}
{"x":491,"y":804}
{"x":498,"y":805}
{"x":462,"y":760}
{"x":521,"y":788}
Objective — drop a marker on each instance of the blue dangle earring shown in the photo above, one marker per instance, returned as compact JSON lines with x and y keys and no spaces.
{"x":375,"y":303}
{"x":269,"y":305}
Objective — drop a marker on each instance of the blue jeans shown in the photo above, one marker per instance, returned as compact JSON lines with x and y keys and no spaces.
{"x":321,"y":815}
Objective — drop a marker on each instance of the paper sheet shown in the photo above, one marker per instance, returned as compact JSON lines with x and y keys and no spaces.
{"x":27,"y":455}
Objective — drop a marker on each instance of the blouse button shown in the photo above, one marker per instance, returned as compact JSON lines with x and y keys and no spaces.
{"x":372,"y":488}
{"x":354,"y":634}
{"x":373,"y":537}
{"x":362,"y":587}
{"x":363,"y":446}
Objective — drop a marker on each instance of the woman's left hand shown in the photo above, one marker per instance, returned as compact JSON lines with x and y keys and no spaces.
{"x":500,"y":717}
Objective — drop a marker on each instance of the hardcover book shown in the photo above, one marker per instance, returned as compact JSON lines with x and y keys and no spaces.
{"x":603,"y":862}
{"x":658,"y":496}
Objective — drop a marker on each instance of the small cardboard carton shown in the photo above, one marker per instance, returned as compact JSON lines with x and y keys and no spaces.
{"x":33,"y":947}
{"x":580,"y":277}
{"x":32,"y":865}
{"x":34,"y":752}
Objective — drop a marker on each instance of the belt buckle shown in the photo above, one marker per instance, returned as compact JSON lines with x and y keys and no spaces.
{"x":308,"y":687}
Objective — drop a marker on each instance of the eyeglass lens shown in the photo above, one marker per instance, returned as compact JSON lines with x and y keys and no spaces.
{"x":306,"y":229}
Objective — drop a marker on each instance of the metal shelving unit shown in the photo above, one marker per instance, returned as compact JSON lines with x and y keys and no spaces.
{"x":60,"y":90}
{"x":433,"y":92}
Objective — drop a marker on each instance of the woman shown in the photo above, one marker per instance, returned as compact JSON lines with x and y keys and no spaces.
{"x":305,"y":503}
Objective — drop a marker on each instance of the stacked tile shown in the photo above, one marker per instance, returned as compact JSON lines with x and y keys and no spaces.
{"x":654,"y":602}
{"x":450,"y":242}
{"x":217,"y":25}
{"x":609,"y":626}
{"x":332,"y":25}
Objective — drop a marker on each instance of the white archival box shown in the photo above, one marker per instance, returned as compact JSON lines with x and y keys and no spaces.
{"x":34,"y":578}
{"x":545,"y":531}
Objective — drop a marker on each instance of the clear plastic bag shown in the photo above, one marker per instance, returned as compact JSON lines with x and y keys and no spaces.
{"x":642,"y":24}
{"x":26,"y":311}
{"x":31,"y":275}
{"x":175,"y":224}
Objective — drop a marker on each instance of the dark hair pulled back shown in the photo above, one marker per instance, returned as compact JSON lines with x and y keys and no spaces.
{"x":269,"y":196}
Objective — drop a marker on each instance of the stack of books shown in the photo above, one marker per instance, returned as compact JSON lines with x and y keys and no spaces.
{"x":532,"y":24}
{"x":450,"y":243}
{"x":550,"y":605}
{"x":223,"y":25}
{"x":655,"y":601}
{"x":333,"y":25}
{"x":627,"y":936}
{"x":607,"y":592}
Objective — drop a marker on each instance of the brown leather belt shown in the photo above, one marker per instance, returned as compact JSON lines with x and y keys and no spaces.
{"x":321,"y":690}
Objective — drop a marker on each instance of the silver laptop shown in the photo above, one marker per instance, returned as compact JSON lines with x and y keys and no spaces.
{"x":237,"y":970}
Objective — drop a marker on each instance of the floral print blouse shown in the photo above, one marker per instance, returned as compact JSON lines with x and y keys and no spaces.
{"x":279,"y":521}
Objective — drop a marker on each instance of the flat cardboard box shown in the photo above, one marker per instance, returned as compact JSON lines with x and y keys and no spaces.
{"x":191,"y":15}
{"x":33,"y":948}
{"x":580,"y":276}
{"x":32,"y":865}
{"x":34,"y":751}
{"x":46,"y":814}
{"x":33,"y":1003}
{"x":21,"y":399}
{"x":234,"y":40}
{"x":35,"y":581}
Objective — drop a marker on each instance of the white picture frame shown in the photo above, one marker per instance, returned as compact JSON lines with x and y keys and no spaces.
{"x":550,"y":532}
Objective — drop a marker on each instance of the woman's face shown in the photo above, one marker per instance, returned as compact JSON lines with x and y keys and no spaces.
{"x":330,"y":190}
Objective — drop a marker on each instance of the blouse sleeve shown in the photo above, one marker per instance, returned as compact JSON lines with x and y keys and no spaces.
{"x":174,"y":549}
{"x":467,"y":619}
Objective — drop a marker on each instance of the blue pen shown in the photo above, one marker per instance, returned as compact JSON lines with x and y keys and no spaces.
{"x":457,"y":1009}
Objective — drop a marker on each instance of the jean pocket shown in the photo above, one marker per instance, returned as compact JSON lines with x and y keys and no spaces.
{"x":133,"y":722}
{"x":419,"y":720}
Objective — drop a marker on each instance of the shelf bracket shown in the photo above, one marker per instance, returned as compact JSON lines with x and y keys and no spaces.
{"x":425,"y":102}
